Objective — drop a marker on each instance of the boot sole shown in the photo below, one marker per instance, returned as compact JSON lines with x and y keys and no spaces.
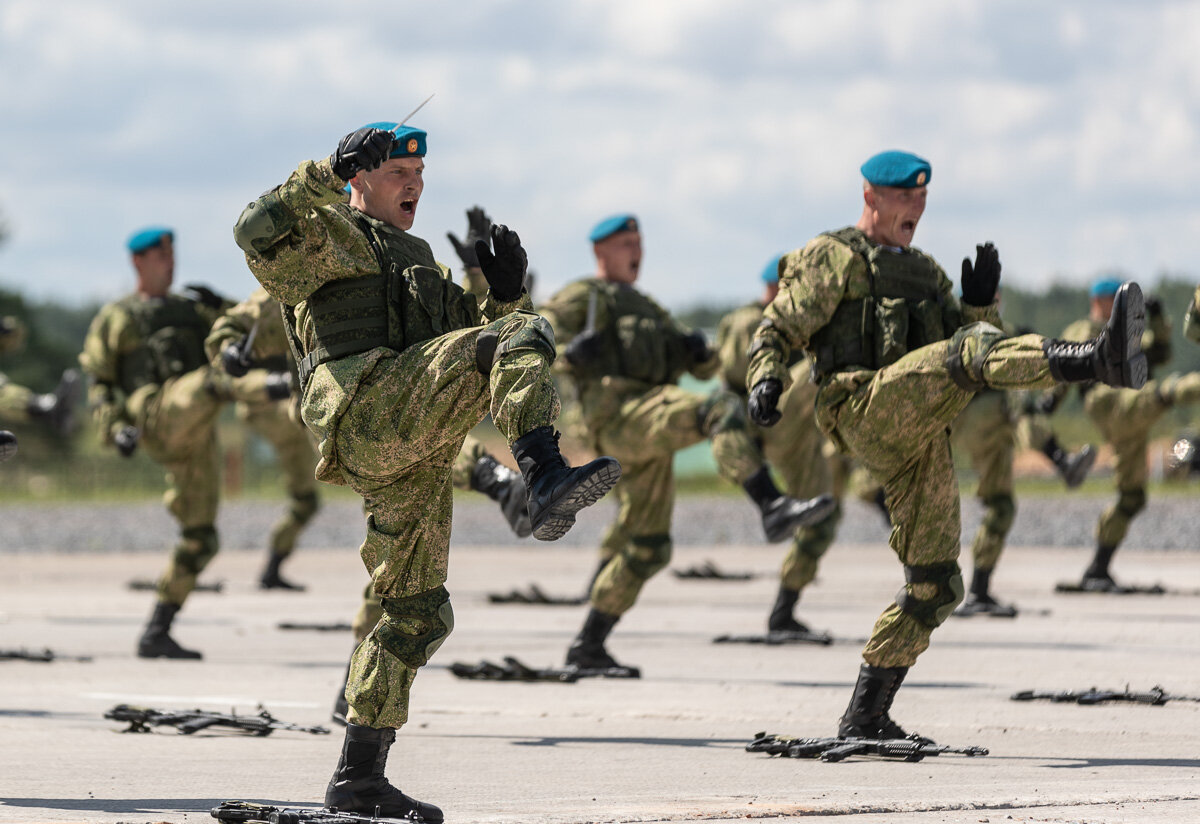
{"x":1131,"y":307}
{"x":1079,"y":472}
{"x":817,"y":513}
{"x":560,"y":516}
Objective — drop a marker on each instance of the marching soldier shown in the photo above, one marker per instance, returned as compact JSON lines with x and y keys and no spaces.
{"x":19,"y":404}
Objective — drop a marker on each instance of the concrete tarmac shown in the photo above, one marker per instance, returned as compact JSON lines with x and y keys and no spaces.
{"x":667,"y":747}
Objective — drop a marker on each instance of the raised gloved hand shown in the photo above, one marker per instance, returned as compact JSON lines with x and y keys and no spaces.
{"x":364,"y":149}
{"x":764,"y":402}
{"x":279,"y":385}
{"x":505,"y":269}
{"x":1154,"y":307}
{"x":126,"y":440}
{"x":235,"y":359}
{"x":980,"y":282}
{"x":584,"y":349}
{"x":697,"y":346}
{"x":479,"y":227}
{"x":203,"y":295}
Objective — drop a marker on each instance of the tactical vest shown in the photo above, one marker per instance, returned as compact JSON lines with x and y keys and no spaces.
{"x":905,"y":311}
{"x":409,"y":302}
{"x":638,"y":343}
{"x":171,"y":336}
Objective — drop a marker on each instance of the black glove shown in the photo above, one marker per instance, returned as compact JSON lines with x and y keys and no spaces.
{"x":1154,"y":308}
{"x":361,"y":150}
{"x":279,"y":385}
{"x":764,"y":398}
{"x":205,"y":296}
{"x":979,"y":284}
{"x":479,"y":227}
{"x":235,"y":360}
{"x":504,"y":270}
{"x":584,"y":349}
{"x":697,"y":346}
{"x":127,"y":439}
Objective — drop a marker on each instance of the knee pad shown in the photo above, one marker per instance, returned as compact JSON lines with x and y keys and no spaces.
{"x":1132,"y":502}
{"x":934,"y":610}
{"x":726,"y":411}
{"x":199,"y":546}
{"x":648,"y":555}
{"x":1001,"y":512}
{"x":304,"y":507}
{"x":413,"y":628}
{"x":967,"y":372}
{"x":534,"y":334}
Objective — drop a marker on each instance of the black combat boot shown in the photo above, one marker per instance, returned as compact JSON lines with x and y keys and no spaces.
{"x":781,"y":619}
{"x":1115,"y":355}
{"x":8,"y":444}
{"x":1073,"y":468}
{"x":57,"y":409}
{"x":359,"y":785}
{"x":867,"y":716}
{"x":1096,"y":577}
{"x":980,"y":601}
{"x":506,"y":488}
{"x":555,"y":491}
{"x":587,"y":650}
{"x":341,"y":707}
{"x":155,"y":641}
{"x":782,"y":515}
{"x":271,"y":579}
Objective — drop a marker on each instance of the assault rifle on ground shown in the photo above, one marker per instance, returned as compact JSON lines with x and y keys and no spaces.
{"x":44,"y":656}
{"x":141,"y":719}
{"x":912,"y":748}
{"x":238,"y":812}
{"x":1155,"y":696}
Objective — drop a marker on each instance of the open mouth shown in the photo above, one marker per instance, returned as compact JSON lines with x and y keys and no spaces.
{"x":908,"y":226}
{"x":408,"y":206}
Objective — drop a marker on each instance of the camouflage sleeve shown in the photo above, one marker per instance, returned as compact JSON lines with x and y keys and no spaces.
{"x":475,"y":283}
{"x":1191,"y":321}
{"x":965,"y":313}
{"x":567,"y":312}
{"x":301,"y":235}
{"x":492,"y":309}
{"x":734,"y":334}
{"x":109,"y":336}
{"x":813,"y":281}
{"x":232,"y":326}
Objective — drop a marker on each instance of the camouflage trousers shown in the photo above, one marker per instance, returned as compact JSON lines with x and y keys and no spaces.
{"x":1124,"y":418}
{"x":14,"y":401}
{"x":794,"y":449}
{"x":895,"y":422}
{"x":395,"y":444}
{"x":296,"y":457}
{"x":644,"y":435}
{"x":986,"y":433}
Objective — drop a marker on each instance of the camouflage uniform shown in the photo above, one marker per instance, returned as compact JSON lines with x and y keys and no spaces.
{"x":20,"y":404}
{"x":390,"y":419}
{"x":272,"y":420}
{"x":633,"y":410}
{"x":1191,"y":321}
{"x":986,"y":432}
{"x":794,"y":447}
{"x":894,"y":418}
{"x":14,"y":398}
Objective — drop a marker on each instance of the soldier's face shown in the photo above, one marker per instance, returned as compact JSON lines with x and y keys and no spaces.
{"x":156,"y":269}
{"x":620,"y":256}
{"x":896,"y":213}
{"x":390,"y":193}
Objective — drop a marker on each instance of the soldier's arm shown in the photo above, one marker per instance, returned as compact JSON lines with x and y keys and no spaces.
{"x":231,"y":327}
{"x":492,"y":309}
{"x":567,"y":312}
{"x":813,"y":282}
{"x":734,"y":335}
{"x":296,"y":240}
{"x":1191,"y":321}
{"x":109,"y":336}
{"x":965,"y":312}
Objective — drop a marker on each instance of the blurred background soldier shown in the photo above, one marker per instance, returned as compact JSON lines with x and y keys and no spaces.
{"x":249,"y":343}
{"x":19,"y":404}
{"x":397,"y":364}
{"x":1191,"y":319}
{"x":625,"y":353}
{"x":896,"y":359}
{"x":793,"y":449}
{"x":1124,"y":418}
{"x":152,"y":386}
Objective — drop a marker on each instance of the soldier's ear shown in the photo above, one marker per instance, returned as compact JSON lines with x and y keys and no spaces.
{"x":869,"y":196}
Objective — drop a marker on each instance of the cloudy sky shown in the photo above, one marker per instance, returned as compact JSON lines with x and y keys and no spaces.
{"x":1065,"y":132}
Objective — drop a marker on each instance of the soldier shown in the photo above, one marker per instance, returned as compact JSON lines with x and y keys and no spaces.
{"x":8,"y":445}
{"x":625,"y":354}
{"x":152,"y":386}
{"x":895,"y":365}
{"x":794,"y":449}
{"x":18,"y":404}
{"x":395,"y":370}
{"x":249,"y":343}
{"x":1124,"y":417}
{"x":1191,"y":320}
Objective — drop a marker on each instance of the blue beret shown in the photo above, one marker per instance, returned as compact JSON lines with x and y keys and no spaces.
{"x":1105,"y":287}
{"x":770,"y":273}
{"x":148,"y":238}
{"x":410,"y":142}
{"x":899,"y":169}
{"x":611,"y":226}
